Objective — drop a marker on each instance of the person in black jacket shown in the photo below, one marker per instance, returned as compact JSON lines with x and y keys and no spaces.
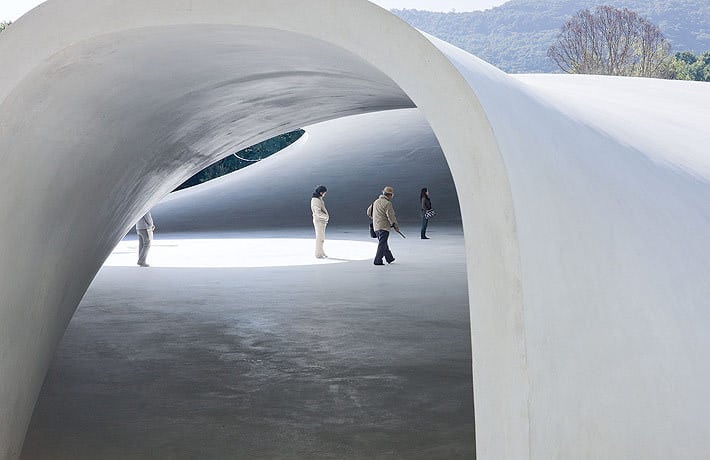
{"x":425,"y":206}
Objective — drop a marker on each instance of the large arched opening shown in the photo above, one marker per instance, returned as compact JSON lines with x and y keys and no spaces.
{"x":238,"y":342}
{"x":128,"y":119}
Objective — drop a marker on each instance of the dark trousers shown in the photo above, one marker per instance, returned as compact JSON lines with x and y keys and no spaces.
{"x":383,"y":249}
{"x":425,"y":222}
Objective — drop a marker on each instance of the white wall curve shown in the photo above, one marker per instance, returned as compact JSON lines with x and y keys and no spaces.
{"x":114,"y":151}
{"x":611,"y":191}
{"x":587,"y":338}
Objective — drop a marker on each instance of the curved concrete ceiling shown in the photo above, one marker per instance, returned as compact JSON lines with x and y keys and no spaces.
{"x":586,"y":232}
{"x":353,"y":156}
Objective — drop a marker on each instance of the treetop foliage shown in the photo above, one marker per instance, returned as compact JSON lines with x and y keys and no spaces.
{"x":688,"y":66}
{"x":243,"y":158}
{"x":611,"y":41}
{"x":516,"y":35}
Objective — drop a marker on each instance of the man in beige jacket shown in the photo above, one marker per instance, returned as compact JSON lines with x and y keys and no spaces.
{"x":383,"y":218}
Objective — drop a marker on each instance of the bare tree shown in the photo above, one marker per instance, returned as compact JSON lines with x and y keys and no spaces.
{"x":611,"y":41}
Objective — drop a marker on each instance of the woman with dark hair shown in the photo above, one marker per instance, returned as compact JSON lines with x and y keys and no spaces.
{"x":320,"y":219}
{"x":425,"y":207}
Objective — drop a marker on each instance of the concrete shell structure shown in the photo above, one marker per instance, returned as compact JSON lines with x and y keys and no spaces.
{"x":584,"y":200}
{"x":354,"y":156}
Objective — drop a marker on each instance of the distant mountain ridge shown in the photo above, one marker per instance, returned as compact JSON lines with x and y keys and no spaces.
{"x":516,"y":35}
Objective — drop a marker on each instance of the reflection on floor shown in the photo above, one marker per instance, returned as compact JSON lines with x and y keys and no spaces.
{"x":238,"y":252}
{"x":344,"y":360}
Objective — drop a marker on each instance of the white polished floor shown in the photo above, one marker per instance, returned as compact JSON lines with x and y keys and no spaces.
{"x":244,"y":345}
{"x":238,"y":251}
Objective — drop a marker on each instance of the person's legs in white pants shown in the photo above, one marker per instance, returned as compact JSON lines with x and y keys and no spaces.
{"x":320,"y":238}
{"x":144,"y":238}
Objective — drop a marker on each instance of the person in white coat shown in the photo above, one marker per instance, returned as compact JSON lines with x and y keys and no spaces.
{"x":144,"y":228}
{"x":320,"y":219}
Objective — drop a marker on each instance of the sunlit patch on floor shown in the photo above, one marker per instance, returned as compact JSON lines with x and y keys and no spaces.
{"x":239,"y":252}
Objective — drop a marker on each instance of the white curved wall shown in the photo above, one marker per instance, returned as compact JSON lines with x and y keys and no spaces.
{"x":586,"y":237}
{"x":124,"y":143}
{"x":611,"y":190}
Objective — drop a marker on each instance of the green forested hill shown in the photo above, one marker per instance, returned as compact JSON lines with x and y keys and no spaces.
{"x":515,"y":36}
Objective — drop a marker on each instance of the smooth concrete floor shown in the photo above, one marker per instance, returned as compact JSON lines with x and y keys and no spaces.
{"x":327,"y":361}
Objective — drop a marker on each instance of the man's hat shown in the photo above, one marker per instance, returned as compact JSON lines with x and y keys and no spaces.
{"x":388,"y":190}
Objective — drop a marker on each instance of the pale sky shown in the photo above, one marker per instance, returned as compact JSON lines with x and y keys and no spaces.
{"x":10,"y":10}
{"x":13,"y":9}
{"x":440,"y":5}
